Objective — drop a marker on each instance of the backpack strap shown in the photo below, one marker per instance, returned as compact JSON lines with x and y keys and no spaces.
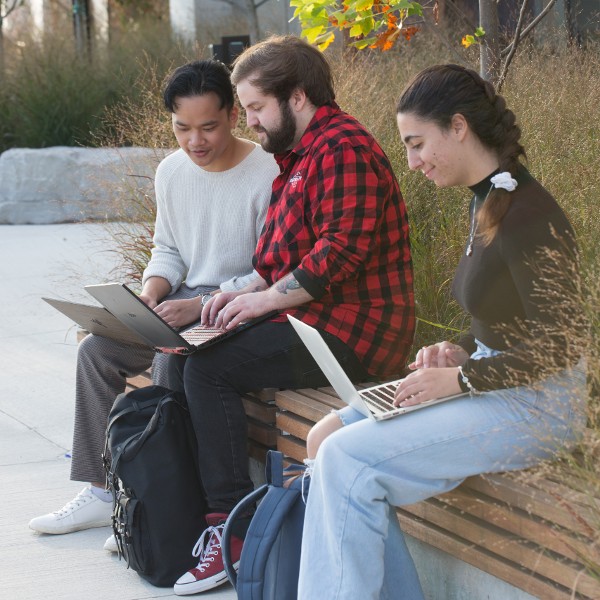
{"x":274,"y":468}
{"x":241,"y":509}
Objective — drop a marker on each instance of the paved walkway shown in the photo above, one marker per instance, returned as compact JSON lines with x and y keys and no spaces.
{"x":38,"y":349}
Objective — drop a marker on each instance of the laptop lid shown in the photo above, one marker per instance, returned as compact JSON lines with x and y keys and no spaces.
{"x":330,"y":366}
{"x":375,"y":402}
{"x":133,"y":312}
{"x":96,"y":320}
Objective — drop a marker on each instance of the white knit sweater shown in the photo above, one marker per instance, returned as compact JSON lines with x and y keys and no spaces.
{"x":207,"y":223}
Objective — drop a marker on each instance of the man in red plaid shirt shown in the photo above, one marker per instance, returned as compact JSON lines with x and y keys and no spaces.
{"x":334,"y":253}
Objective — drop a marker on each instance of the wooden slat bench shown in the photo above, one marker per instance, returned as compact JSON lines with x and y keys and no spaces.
{"x":509,"y":525}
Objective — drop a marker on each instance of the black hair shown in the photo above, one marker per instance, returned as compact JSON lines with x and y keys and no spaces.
{"x":197,"y":79}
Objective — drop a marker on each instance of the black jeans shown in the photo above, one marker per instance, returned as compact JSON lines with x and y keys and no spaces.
{"x":266,"y":355}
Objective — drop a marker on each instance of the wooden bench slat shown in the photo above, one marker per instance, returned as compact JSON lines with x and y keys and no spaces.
{"x":310,"y":404}
{"x":506,"y":488}
{"x":533,"y":557}
{"x":259,"y":410}
{"x":517,"y":522}
{"x":296,"y":426}
{"x":139,"y":381}
{"x":292,"y":447}
{"x":267,"y":395}
{"x":482,"y":559}
{"x":262,"y":433}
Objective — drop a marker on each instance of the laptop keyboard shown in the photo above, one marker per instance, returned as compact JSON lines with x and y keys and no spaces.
{"x":198,"y":335}
{"x":380,"y":397}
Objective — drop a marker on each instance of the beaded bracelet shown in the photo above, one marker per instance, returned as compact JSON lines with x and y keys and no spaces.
{"x":465,"y":380}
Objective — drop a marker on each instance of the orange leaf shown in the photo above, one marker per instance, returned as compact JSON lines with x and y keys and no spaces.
{"x":408,"y":32}
{"x":385,"y":41}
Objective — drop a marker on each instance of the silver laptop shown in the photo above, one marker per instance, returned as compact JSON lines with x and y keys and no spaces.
{"x":124,"y":304}
{"x":374,"y":402}
{"x":96,"y":320}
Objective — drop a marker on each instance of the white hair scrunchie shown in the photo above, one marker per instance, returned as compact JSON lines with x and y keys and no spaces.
{"x":505,"y":181}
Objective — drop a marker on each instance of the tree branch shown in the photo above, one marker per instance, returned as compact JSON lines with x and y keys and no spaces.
{"x":515,"y":44}
{"x":9,"y":7}
{"x":531,"y":26}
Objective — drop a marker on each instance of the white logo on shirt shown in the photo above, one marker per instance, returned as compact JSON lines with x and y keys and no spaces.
{"x":296,"y":177}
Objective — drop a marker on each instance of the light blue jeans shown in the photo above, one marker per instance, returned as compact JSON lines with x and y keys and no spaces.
{"x":352,"y":547}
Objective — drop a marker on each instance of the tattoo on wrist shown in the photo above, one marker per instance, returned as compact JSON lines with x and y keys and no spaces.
{"x":287,"y":284}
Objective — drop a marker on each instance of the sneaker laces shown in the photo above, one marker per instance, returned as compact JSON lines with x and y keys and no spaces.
{"x":84,"y":496}
{"x":208,"y":553}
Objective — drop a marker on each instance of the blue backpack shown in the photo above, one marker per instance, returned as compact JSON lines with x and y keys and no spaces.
{"x":270,"y":559}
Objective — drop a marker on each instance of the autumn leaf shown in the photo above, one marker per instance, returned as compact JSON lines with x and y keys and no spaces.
{"x":408,"y":32}
{"x":468,"y":41}
{"x":313,"y":33}
{"x":363,"y":5}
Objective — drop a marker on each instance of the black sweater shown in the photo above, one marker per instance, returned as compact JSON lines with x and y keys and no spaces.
{"x":521,"y":290}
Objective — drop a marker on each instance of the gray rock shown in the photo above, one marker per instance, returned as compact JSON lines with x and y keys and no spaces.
{"x":64,"y":184}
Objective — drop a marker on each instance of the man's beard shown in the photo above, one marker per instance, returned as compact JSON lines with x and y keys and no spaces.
{"x":281,"y":139}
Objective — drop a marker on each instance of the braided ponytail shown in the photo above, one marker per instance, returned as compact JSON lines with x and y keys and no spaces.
{"x":438,"y":93}
{"x":496,"y":206}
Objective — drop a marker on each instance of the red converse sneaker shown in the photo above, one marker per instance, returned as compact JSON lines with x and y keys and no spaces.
{"x":210,"y":571}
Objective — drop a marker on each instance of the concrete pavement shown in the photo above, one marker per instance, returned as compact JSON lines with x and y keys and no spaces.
{"x":37,"y":369}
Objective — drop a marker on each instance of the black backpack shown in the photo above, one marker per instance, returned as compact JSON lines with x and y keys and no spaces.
{"x":270,"y":559}
{"x":159,"y":504}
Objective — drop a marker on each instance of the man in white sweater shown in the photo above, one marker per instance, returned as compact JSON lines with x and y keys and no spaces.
{"x":215,"y":188}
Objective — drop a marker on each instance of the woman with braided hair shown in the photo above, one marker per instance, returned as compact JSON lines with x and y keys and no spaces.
{"x":517,"y":374}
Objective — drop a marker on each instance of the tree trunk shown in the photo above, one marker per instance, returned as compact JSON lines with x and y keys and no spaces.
{"x":489,"y":52}
{"x":253,"y":22}
{"x":2,"y":65}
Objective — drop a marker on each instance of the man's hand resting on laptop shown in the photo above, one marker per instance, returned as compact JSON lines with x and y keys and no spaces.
{"x":229,"y":309}
{"x":178,"y":313}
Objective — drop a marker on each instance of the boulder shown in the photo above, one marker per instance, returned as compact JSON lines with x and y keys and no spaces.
{"x":65,"y":184}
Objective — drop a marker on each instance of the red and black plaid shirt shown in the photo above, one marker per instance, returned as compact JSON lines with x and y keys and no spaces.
{"x":337,"y":220}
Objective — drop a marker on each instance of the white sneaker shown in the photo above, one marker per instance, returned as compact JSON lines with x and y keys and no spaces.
{"x":85,"y":511}
{"x":111,"y":544}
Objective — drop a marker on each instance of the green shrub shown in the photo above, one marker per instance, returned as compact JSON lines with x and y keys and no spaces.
{"x":51,"y":96}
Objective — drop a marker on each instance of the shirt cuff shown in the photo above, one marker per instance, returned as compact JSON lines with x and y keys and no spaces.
{"x":314,"y":288}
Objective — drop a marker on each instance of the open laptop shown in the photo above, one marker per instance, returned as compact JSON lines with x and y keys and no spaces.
{"x":374,"y":402}
{"x":124,"y":304}
{"x":96,"y":320}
